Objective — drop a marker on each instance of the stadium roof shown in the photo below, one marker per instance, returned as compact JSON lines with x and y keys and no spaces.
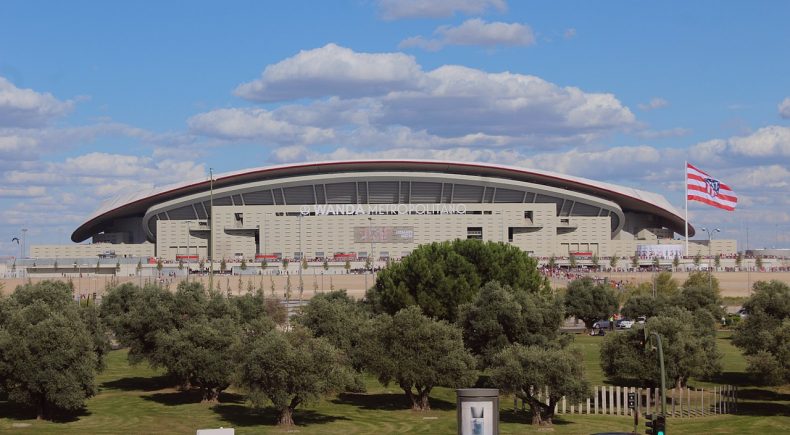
{"x":628,"y":198}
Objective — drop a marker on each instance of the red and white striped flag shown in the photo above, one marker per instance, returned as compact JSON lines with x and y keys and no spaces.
{"x":704,"y":188}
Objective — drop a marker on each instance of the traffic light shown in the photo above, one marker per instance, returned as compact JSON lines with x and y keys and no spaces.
{"x":656,"y":425}
{"x":660,"y":426}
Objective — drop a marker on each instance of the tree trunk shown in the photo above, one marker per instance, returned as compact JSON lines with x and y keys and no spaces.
{"x":415,"y":405}
{"x":184,"y":385}
{"x":541,"y":413}
{"x":548,"y":415}
{"x":210,"y":395}
{"x":423,"y":398}
{"x":286,"y":417}
{"x":40,"y":407}
{"x":286,"y":414}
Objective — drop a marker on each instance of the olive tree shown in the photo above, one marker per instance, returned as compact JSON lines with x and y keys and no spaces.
{"x":589,"y":302}
{"x":689,"y":344}
{"x":529,"y":371}
{"x":501,"y":315}
{"x":48,"y":354}
{"x":418,"y":353}
{"x":764,"y":336}
{"x":341,"y":321}
{"x":136,"y":315}
{"x":188,"y":332}
{"x":197,"y":352}
{"x":288,"y":369}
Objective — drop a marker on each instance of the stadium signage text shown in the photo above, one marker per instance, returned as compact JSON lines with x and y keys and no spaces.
{"x":381,"y":209}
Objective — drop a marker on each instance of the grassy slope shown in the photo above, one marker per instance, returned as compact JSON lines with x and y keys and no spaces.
{"x":137,"y":400}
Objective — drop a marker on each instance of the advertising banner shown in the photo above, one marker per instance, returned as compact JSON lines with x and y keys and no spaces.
{"x":664,"y":252}
{"x":383,"y":234}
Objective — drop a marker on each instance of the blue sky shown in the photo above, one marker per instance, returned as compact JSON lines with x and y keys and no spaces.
{"x":99,"y":99}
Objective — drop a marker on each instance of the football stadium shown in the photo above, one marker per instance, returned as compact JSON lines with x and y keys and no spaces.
{"x":381,"y":210}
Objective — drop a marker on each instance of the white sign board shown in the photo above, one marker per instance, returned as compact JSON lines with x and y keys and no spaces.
{"x":664,"y":252}
{"x":220,"y":431}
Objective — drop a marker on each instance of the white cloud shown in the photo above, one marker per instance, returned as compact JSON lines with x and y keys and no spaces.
{"x":333,"y":70}
{"x":466,"y":101}
{"x":251,"y":123}
{"x":569,"y":33}
{"x":421,"y":42}
{"x":475,"y":32}
{"x":615,"y":162}
{"x":784,"y":108}
{"x":653,"y":104}
{"x":28,"y":108}
{"x":762,"y":177}
{"x":768,"y":141}
{"x":77,"y":185}
{"x":104,"y":164}
{"x":398,"y":9}
{"x":618,"y":162}
{"x":711,"y":151}
{"x":660,"y":134}
{"x":24,"y":192}
{"x":104,"y":168}
{"x":449,"y":106}
{"x":17,"y":147}
{"x":763,"y":145}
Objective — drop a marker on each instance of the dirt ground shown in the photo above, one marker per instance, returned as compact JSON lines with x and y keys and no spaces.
{"x":732,"y":284}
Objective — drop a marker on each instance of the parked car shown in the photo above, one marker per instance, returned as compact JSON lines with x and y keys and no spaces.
{"x":742,"y":312}
{"x":641,"y":319}
{"x":624,"y":324}
{"x":601,"y":324}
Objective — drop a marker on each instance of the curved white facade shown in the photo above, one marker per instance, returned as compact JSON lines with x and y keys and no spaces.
{"x":386,"y":207}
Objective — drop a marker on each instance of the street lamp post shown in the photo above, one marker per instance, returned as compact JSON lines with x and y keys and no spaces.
{"x":301,"y":261}
{"x":210,"y":250}
{"x":24,"y":240}
{"x":710,"y":237}
{"x":370,"y":234}
{"x":188,"y":258}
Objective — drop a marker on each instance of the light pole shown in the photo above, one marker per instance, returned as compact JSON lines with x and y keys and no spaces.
{"x":188,"y":258}
{"x":210,"y":250}
{"x":24,"y":234}
{"x":301,"y":261}
{"x":710,"y":237}
{"x":370,"y":234}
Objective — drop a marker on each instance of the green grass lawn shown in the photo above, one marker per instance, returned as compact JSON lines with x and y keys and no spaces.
{"x":138,"y":400}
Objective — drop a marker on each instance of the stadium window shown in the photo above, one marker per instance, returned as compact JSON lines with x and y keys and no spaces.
{"x":474,"y":233}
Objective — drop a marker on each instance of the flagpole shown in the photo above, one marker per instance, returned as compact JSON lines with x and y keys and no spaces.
{"x":686,"y":183}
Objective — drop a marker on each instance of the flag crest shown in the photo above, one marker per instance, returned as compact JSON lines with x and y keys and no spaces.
{"x":706,"y":189}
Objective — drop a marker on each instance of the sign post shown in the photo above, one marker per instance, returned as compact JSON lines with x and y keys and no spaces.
{"x":632,"y":407}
